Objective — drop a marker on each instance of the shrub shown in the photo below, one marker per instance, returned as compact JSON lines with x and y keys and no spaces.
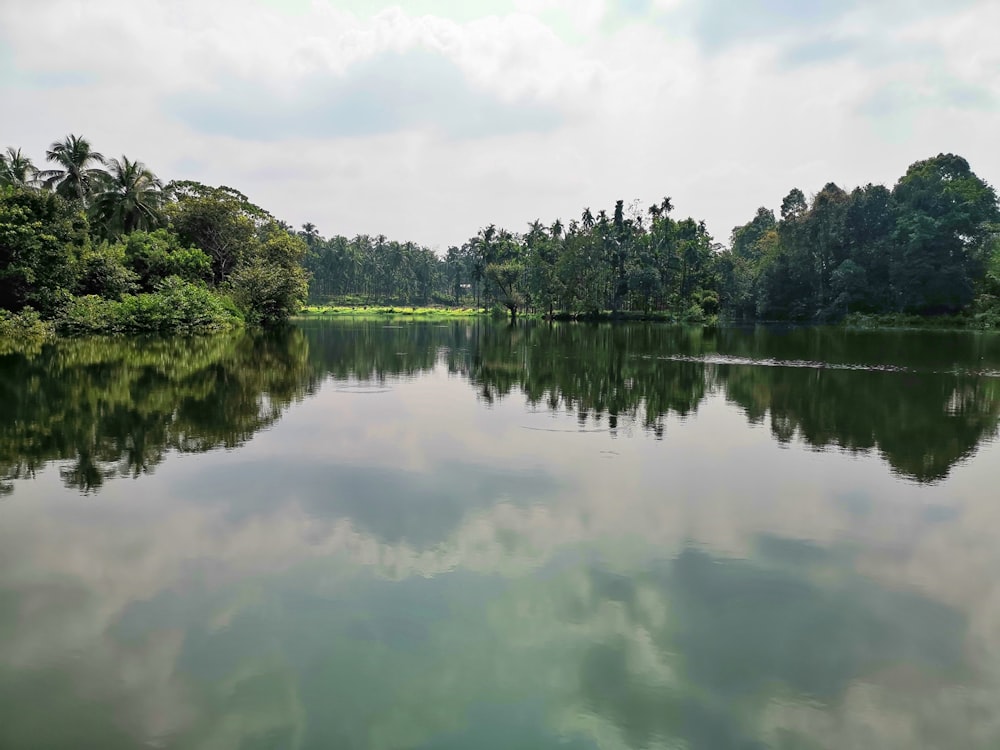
{"x":24,"y":332}
{"x":694,"y":314}
{"x":176,"y":306}
{"x":268,"y":293}
{"x":103,"y":272}
{"x":25,"y":324}
{"x":158,"y":255}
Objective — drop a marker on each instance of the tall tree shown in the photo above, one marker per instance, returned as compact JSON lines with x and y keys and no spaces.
{"x":42,"y":238}
{"x":76,"y":177}
{"x":310,"y":234}
{"x":943,"y":226}
{"x":16,"y":169}
{"x":130,"y":199}
{"x":218,"y":220}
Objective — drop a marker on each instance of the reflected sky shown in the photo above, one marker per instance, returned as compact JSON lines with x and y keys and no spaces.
{"x":398,"y":561}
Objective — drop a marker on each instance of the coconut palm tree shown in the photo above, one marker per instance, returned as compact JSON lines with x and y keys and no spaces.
{"x":16,"y":169}
{"x":309,"y":233}
{"x":76,"y":179}
{"x":130,"y":198}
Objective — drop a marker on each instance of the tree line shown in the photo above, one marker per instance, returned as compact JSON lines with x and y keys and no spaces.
{"x":927,"y":246}
{"x":101,"y":244}
{"x":619,"y":261}
{"x":95,"y":239}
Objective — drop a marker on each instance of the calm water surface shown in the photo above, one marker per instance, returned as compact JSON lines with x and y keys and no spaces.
{"x":356,"y":535}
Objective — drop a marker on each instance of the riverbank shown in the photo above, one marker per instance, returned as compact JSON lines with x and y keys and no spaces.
{"x":895,"y":321}
{"x":375,"y":311}
{"x":986,"y":321}
{"x":635,"y":316}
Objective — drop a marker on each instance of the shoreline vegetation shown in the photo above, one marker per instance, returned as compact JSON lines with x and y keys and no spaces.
{"x":100,"y":245}
{"x":857,"y":321}
{"x":390,"y":311}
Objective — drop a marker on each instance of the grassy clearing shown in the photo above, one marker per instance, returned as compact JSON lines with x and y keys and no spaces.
{"x":372,"y":311}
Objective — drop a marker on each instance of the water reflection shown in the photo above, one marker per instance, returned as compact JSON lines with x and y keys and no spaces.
{"x":924,"y":416}
{"x":115,"y":406}
{"x":391,"y":564}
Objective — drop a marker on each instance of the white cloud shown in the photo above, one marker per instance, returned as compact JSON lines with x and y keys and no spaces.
{"x":535,"y":108}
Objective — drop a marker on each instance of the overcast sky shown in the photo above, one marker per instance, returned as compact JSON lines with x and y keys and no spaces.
{"x":425,"y":120}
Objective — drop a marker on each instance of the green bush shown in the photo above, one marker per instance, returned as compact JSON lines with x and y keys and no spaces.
{"x":155,"y":256}
{"x":266,"y":292}
{"x":24,"y":332}
{"x":176,"y":306}
{"x":25,"y":324}
{"x":103,"y":272}
{"x":694,"y":314}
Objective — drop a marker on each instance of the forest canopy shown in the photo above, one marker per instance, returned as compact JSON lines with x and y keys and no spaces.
{"x":102,"y":244}
{"x":930,"y":245}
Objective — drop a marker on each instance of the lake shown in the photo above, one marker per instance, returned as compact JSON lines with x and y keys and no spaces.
{"x":464,"y":535}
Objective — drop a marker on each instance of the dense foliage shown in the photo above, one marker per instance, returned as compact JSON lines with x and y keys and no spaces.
{"x":101,"y":245}
{"x":928,"y":246}
{"x":618,"y":262}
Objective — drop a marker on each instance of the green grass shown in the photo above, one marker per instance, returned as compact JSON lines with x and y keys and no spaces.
{"x":432,"y":313}
{"x":372,"y":311}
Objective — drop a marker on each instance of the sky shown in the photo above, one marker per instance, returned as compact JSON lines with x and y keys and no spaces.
{"x":426,"y":120}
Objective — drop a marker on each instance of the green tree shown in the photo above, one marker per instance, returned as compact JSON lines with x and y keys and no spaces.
{"x":542,"y":279}
{"x":129,"y":199}
{"x":75,"y":177}
{"x":943,"y":227}
{"x":155,"y":256}
{"x":746,"y":240}
{"x":751,"y":246}
{"x":869,"y":221}
{"x":848,"y":286}
{"x":826,"y":243}
{"x":270,"y":284}
{"x":104,"y":272}
{"x":788,"y":284}
{"x":220,"y":221}
{"x":504,"y":269}
{"x":455,"y":272}
{"x":583,"y":271}
{"x":16,"y":169}
{"x":42,"y":238}
{"x":310,"y":234}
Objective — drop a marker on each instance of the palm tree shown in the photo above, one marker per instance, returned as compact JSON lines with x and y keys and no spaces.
{"x":16,"y":169}
{"x":76,"y":179}
{"x":130,"y":198}
{"x":309,"y":233}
